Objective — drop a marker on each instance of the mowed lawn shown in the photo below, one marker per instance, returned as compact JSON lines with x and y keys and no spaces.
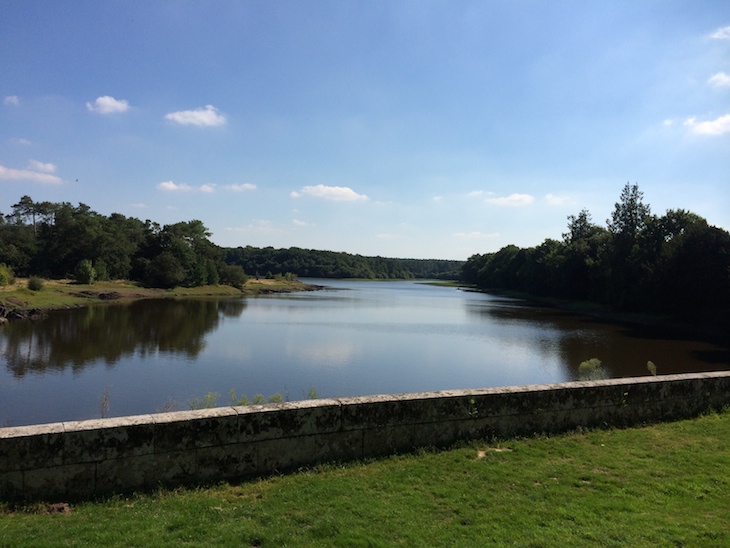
{"x":658,"y":485}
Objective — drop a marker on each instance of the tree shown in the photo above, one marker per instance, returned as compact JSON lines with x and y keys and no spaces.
{"x":630,"y":214}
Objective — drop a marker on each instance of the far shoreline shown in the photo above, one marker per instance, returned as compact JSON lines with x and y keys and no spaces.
{"x":18,"y":302}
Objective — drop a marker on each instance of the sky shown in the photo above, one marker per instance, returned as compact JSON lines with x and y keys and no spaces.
{"x":412,"y":129}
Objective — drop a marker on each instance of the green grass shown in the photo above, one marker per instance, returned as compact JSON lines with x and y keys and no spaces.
{"x":660,"y":485}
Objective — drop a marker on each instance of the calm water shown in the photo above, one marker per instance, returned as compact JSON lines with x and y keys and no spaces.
{"x":355,"y":338}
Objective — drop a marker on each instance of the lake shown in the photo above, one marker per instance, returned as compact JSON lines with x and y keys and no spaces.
{"x":352,"y":338}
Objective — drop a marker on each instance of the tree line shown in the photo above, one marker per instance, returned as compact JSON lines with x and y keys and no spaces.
{"x":60,"y":240}
{"x":675,"y":263}
{"x":311,"y":263}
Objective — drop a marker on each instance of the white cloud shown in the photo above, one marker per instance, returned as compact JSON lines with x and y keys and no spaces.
{"x":721,"y":34}
{"x":208,"y":116}
{"x":720,"y":80}
{"x":719,"y":126}
{"x":476,"y":194}
{"x":173,"y":187}
{"x":209,"y":188}
{"x":140,"y":205}
{"x":12,"y":100}
{"x":108,"y":105}
{"x":437,"y":199}
{"x":241,"y":188}
{"x":301,"y":223}
{"x":334,"y":193}
{"x":10,"y":174}
{"x":552,"y":199}
{"x":35,"y":165}
{"x":511,"y":200}
{"x":257,"y":227}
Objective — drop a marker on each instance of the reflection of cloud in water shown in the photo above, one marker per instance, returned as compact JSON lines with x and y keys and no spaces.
{"x":326,"y":354}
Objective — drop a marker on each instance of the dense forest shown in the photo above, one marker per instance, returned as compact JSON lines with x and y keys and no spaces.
{"x":59,"y":240}
{"x":330,"y":264}
{"x":675,"y":263}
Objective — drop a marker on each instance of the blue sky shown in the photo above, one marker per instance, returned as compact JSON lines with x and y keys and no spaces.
{"x":422,"y":129}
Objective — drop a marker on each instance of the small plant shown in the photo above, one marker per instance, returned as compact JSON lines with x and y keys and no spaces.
{"x":35,"y":283}
{"x":275,"y":398}
{"x":104,"y":402}
{"x":592,"y":370}
{"x":208,"y":401}
{"x":312,"y":393}
{"x":651,"y":367}
{"x":7,"y":277}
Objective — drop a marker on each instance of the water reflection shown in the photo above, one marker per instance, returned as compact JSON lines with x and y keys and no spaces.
{"x":624,"y":350}
{"x":75,"y":339}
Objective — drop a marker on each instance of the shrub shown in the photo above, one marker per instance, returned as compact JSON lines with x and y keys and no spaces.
{"x":84,"y":272}
{"x":35,"y":283}
{"x":592,"y":370}
{"x":7,"y":276}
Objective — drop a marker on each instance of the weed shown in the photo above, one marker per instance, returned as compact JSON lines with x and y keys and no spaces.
{"x":592,"y":370}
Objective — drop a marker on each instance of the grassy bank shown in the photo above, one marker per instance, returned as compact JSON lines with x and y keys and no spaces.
{"x":659,"y":485}
{"x":58,"y":294}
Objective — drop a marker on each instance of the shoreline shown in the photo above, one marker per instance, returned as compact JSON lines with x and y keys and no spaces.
{"x":17,"y":302}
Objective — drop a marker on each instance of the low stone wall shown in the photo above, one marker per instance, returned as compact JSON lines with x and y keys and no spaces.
{"x":72,"y":460}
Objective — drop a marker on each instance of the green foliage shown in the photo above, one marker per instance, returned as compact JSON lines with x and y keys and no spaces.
{"x":35,"y":283}
{"x":84,"y":273}
{"x":7,"y":277}
{"x":233,"y":275}
{"x":329,"y":264}
{"x":674,"y":264}
{"x":651,"y":367}
{"x":208,"y":401}
{"x":592,"y":370}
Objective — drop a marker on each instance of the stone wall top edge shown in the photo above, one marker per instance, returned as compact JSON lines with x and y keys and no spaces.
{"x":176,"y":416}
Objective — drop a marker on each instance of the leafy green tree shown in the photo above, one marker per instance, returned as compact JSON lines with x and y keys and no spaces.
{"x":85,"y":272}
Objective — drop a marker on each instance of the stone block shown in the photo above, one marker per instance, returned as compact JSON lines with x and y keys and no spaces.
{"x":29,"y":447}
{"x":187,"y":430}
{"x":278,"y":455}
{"x":291,"y":419}
{"x":338,"y":446}
{"x":70,"y":481}
{"x":97,"y":440}
{"x":11,"y":486}
{"x":388,"y":440}
{"x":226,"y":462}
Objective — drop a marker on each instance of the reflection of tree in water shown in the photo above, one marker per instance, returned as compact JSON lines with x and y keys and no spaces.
{"x":79,"y":337}
{"x":623,"y":350}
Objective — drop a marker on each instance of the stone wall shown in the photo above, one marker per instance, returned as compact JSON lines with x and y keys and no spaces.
{"x":73,"y":460}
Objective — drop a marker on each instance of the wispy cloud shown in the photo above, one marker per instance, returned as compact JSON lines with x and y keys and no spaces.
{"x":718,"y":126}
{"x":301,"y":223}
{"x":513,"y":200}
{"x":11,"y":100}
{"x":35,"y":165}
{"x":207,"y":116}
{"x":32,"y":175}
{"x":241,"y":188}
{"x":552,"y":199}
{"x":169,"y":186}
{"x":107,"y":104}
{"x":256,"y":227}
{"x":334,"y":193}
{"x":720,"y":80}
{"x":721,"y":34}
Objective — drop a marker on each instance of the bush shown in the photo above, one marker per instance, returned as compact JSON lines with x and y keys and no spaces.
{"x":84,"y":272}
{"x":7,"y":276}
{"x":35,"y":283}
{"x":592,"y":370}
